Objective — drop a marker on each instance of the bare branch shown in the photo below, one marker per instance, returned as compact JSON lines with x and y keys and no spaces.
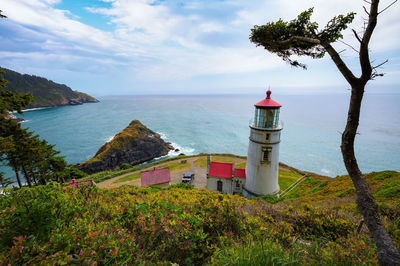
{"x":349,"y":46}
{"x":366,"y":10}
{"x":358,"y":37}
{"x":367,"y":2}
{"x":387,"y":7}
{"x":341,"y":51}
{"x":381,"y":64}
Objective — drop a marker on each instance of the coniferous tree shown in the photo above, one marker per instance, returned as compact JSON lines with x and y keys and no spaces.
{"x":301,"y":37}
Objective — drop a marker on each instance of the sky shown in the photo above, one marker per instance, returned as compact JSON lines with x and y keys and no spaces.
{"x":136,"y":47}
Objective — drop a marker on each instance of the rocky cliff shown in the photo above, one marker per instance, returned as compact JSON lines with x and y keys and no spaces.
{"x":133,"y":145}
{"x":46,"y":93}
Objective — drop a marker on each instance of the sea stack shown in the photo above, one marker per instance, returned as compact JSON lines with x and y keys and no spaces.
{"x":133,"y":145}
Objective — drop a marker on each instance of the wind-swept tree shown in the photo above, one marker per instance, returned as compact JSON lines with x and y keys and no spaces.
{"x":301,"y":37}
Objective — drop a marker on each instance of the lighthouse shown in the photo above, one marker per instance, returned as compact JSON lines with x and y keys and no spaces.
{"x":263,"y":154}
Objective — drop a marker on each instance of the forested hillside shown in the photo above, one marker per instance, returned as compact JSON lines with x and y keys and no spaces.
{"x":46,"y":93}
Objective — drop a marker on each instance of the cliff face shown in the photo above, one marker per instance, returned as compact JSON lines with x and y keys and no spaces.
{"x":46,"y":93}
{"x":134,"y":145}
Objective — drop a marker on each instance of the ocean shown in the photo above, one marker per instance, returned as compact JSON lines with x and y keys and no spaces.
{"x":310,"y":140}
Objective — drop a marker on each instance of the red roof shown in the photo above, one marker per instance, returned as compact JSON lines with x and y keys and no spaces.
{"x":156,"y":176}
{"x":220,"y":170}
{"x":268,"y":102}
{"x":239,"y":172}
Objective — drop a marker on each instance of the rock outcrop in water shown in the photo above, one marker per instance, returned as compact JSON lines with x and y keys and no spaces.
{"x":133,"y":145}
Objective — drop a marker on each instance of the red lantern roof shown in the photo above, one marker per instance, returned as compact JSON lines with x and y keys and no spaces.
{"x":268,"y":102}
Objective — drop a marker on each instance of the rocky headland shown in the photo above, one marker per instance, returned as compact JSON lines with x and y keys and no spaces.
{"x":133,"y":145}
{"x":46,"y":93}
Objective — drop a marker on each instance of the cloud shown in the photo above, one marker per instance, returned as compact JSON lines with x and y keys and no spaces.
{"x":165,"y":41}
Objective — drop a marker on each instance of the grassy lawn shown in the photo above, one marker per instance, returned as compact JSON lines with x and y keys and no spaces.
{"x":127,"y":178}
{"x":176,"y":166}
{"x":202,"y":161}
{"x":286,"y":178}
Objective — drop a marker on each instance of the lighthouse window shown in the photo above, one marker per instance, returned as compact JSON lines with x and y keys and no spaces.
{"x":267,"y":137}
{"x":265,"y":158}
{"x":266,"y":154}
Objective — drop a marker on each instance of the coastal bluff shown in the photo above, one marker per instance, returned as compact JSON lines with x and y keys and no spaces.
{"x":133,"y":145}
{"x":46,"y":93}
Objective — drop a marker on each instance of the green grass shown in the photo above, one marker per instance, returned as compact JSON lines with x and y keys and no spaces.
{"x":286,"y":178}
{"x":202,"y":161}
{"x":176,"y":166}
{"x":389,"y":190}
{"x":264,"y":252}
{"x":128,"y":178}
{"x":316,"y":189}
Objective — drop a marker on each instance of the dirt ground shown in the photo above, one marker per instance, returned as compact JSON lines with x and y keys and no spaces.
{"x":200,"y":178}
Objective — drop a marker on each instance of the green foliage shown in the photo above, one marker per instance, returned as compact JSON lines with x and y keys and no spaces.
{"x":318,"y":188}
{"x":389,"y":190}
{"x":43,"y":92}
{"x":10,"y":101}
{"x":262,"y":252}
{"x":125,"y":166}
{"x":130,"y":225}
{"x":299,"y":37}
{"x":73,"y":173}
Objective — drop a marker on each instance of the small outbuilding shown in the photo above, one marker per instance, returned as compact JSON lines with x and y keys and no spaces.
{"x":225,"y":178}
{"x":160,"y":177}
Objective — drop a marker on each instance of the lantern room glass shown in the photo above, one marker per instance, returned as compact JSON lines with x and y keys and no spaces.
{"x":266,"y":117}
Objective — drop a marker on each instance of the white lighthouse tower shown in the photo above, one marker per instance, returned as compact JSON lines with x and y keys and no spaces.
{"x":263,"y":154}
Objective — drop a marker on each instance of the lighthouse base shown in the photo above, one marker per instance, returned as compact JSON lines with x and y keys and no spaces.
{"x":251,"y":195}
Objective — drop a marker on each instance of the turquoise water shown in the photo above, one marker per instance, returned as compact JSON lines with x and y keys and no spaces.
{"x":219,"y":124}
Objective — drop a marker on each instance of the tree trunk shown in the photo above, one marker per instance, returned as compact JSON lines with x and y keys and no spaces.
{"x":28,"y":180}
{"x":387,"y":251}
{"x":17,"y":175}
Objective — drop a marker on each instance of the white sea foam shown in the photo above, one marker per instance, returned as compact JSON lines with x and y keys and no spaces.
{"x":24,"y":121}
{"x":185,"y":150}
{"x":33,"y":109}
{"x":110,"y":138}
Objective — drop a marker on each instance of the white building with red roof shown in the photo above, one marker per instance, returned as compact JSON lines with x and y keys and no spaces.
{"x":225,"y":178}
{"x":160,"y":177}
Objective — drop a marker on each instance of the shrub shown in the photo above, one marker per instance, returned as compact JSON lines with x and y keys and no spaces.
{"x":125,"y":166}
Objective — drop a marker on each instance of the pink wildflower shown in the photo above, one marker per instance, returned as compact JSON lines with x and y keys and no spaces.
{"x":81,"y":253}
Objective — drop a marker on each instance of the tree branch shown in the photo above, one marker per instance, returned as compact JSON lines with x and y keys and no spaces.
{"x":366,"y":68}
{"x":387,"y":7}
{"x":381,"y":64}
{"x":299,"y":39}
{"x":358,"y":37}
{"x":366,"y":10}
{"x":349,"y":46}
{"x":346,"y":72}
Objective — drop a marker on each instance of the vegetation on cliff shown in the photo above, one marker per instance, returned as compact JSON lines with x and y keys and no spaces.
{"x":59,"y":225}
{"x":133,"y":145}
{"x":46,"y":93}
